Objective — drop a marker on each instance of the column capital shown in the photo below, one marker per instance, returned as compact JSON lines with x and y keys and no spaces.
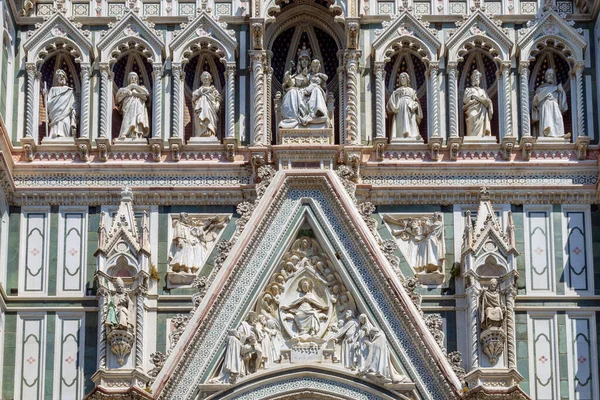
{"x":452,"y":65}
{"x":524,"y":66}
{"x":380,"y":66}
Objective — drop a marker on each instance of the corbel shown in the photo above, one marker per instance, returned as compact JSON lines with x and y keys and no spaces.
{"x":175,"y":144}
{"x":527,"y":147}
{"x":508,"y":144}
{"x":103,"y":147}
{"x":156,"y":148}
{"x":435,"y":145}
{"x":84,"y":145}
{"x":454,"y":143}
{"x":581,"y":145}
{"x":29,"y":146}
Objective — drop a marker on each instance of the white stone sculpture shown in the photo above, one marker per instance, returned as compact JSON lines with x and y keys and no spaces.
{"x":421,"y":241}
{"x":406,"y":110}
{"x":60,"y":107}
{"x":377,"y":365}
{"x":132,"y":101}
{"x":549,"y":104}
{"x":348,"y":334}
{"x":478,"y":109}
{"x":308,"y":311}
{"x":305,"y":98}
{"x":118,"y":307}
{"x":492,"y":307}
{"x":207,"y":101}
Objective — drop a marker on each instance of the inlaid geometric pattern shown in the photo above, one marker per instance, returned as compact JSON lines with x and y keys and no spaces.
{"x":576,"y":263}
{"x":540,"y":258}
{"x":583,"y":374}
{"x":29,"y":381}
{"x":543,"y":365}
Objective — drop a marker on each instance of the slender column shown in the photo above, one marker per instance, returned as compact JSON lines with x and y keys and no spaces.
{"x":85,"y":101}
{"x":139,"y":330}
{"x":31,"y":73}
{"x":525,"y":113}
{"x":380,"y":98}
{"x":269,"y":96}
{"x":508,"y":129}
{"x":230,"y":101}
{"x":510,"y":326}
{"x":104,"y":93}
{"x":453,"y":91}
{"x":102,"y":324}
{"x":473,"y":298}
{"x":176,"y":71}
{"x":157,"y":70}
{"x":257,"y":63}
{"x":351,"y":58}
{"x":579,"y":67}
{"x":342,"y":99}
{"x":434,"y":92}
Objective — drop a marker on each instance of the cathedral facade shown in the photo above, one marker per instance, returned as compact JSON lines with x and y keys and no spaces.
{"x":299,"y":199}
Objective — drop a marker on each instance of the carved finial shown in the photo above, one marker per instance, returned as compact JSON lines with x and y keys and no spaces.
{"x":484,"y":194}
{"x":126,"y":195}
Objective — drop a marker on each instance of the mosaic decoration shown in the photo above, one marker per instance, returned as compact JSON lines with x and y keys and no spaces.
{"x":187,"y":9}
{"x":223,"y":8}
{"x":152,"y":9}
{"x":116,"y":9}
{"x":81,"y":10}
{"x":528,"y":7}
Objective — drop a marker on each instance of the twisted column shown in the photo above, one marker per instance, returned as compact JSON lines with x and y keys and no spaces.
{"x":453,"y":92}
{"x":380,"y":99}
{"x":102,"y":322}
{"x":473,"y":298}
{"x":510,"y":326}
{"x":85,"y":104}
{"x":157,"y":71}
{"x":435,"y":99}
{"x":342,"y":101}
{"x":525,"y":113}
{"x":176,"y":71}
{"x":139,"y":330}
{"x":257,"y":62}
{"x":352,"y":58}
{"x":230,"y":101}
{"x":29,"y":110}
{"x":505,"y":67}
{"x":104,"y":93}
{"x":579,"y":67}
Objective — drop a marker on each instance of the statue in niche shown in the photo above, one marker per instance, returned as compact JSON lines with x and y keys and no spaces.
{"x":304,"y":101}
{"x":421,"y":241}
{"x":60,"y":107}
{"x":549,"y":104}
{"x":118,"y":307}
{"x":405,"y":106}
{"x":492,"y":308}
{"x":478,"y":108}
{"x":206,"y":100}
{"x":132,"y":100}
{"x":307,"y":311}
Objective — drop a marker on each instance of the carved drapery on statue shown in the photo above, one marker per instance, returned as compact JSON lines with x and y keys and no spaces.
{"x":206,"y":101}
{"x":60,"y":107}
{"x":406,"y":110}
{"x":548,"y":106}
{"x":307,"y":315}
{"x":421,"y":241}
{"x":132,"y":101}
{"x":478,"y":109}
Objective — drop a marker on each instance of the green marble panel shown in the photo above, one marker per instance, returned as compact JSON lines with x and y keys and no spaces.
{"x":90,"y":356}
{"x":92,"y":244}
{"x":53,"y":251}
{"x":50,"y":338}
{"x":12,"y":259}
{"x":557,"y":221}
{"x":8,"y":370}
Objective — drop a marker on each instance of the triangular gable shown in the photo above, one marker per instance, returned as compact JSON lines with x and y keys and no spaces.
{"x":204,"y":27}
{"x":405,"y":27}
{"x":131,"y":28}
{"x":292,"y":198}
{"x":551,"y":26}
{"x":58,"y":29}
{"x":481,"y":28}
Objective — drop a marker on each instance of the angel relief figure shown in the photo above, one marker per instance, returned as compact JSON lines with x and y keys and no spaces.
{"x":308,"y":311}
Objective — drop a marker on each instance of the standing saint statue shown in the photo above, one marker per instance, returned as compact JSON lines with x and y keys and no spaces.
{"x":349,"y":333}
{"x":206,"y":100}
{"x":478,"y":108}
{"x":492,"y":308}
{"x":132,"y":100}
{"x":60,"y":101}
{"x":549,"y":103}
{"x":405,"y":105}
{"x":118,"y":307}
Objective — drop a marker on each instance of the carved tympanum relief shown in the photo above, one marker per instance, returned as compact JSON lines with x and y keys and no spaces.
{"x":307,"y":315}
{"x":60,"y":107}
{"x":421,"y":241}
{"x":207,"y":102}
{"x":193,"y":238}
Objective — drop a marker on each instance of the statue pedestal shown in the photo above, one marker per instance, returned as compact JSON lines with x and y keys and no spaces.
{"x":125,"y":140}
{"x":59,"y":140}
{"x":548,"y":139}
{"x":434,"y":278}
{"x":306,"y":136}
{"x":178,"y":279}
{"x":204,"y":140}
{"x":480,"y":140}
{"x":493,"y":378}
{"x":407,"y":140}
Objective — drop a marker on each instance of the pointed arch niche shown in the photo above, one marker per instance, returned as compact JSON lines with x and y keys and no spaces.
{"x":550,"y":42}
{"x":311,"y":25}
{"x":406,"y":45}
{"x":130,"y":46}
{"x":480,"y":44}
{"x":203,"y":45}
{"x":57,"y":44}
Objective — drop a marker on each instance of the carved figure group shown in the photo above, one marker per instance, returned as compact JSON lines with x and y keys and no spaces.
{"x":549,"y":104}
{"x":60,"y":107}
{"x":207,"y":101}
{"x":405,"y":106}
{"x":304,"y":101}
{"x":478,"y":108}
{"x":132,"y":102}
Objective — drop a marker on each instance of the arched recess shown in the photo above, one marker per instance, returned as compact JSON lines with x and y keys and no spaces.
{"x":406,"y":45}
{"x":479,"y":34}
{"x":270,"y":9}
{"x":312,"y":383}
{"x":130,"y":46}
{"x":203,"y":43}
{"x":312,"y":26}
{"x":551,"y":41}
{"x":57,"y":43}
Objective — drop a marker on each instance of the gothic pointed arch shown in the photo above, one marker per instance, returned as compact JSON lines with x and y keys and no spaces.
{"x":290,"y":203}
{"x":203,"y":45}
{"x":406,"y":44}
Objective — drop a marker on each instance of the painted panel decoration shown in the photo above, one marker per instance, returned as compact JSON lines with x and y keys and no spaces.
{"x":30,"y":360}
{"x":68,"y":362}
{"x":540,"y":256}
{"x":542,"y":361}
{"x":71,"y":252}
{"x":35,"y":259}
{"x":576,"y":251}
{"x":582,"y":378}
